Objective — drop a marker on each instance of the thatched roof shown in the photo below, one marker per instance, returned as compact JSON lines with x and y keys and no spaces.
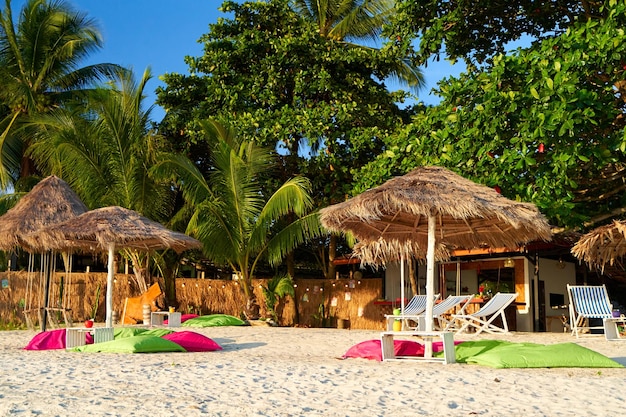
{"x":94,"y":230}
{"x":49,"y":202}
{"x":603,"y":245}
{"x":392,"y":219}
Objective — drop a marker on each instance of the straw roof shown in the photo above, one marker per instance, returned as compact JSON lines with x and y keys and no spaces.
{"x":95,"y":230}
{"x":603,"y":245}
{"x":49,"y":202}
{"x":392,"y":219}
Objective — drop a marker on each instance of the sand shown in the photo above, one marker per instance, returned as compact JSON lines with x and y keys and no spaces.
{"x":266,"y":371}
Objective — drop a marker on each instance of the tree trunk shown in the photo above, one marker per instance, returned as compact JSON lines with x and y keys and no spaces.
{"x":332,"y":254}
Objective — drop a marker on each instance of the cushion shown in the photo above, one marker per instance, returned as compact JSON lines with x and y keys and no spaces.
{"x":158,"y":332}
{"x":502,"y":354}
{"x":133,"y":344}
{"x":370,"y":349}
{"x":192,"y":341}
{"x":51,"y":339}
{"x":122,"y":332}
{"x":214,"y":320}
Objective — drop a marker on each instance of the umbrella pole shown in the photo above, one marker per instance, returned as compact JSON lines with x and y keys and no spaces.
{"x":109,"y":298}
{"x":430,"y":283}
{"x":402,"y":283}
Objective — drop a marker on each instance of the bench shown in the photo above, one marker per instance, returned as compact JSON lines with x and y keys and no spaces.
{"x":388,"y":353}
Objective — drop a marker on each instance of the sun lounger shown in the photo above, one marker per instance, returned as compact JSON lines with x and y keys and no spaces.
{"x":483,"y":319}
{"x":588,"y":302}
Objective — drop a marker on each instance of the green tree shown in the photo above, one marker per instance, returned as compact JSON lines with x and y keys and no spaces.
{"x":357,"y":20}
{"x":269,"y":74}
{"x":39,"y":71}
{"x":233,"y":215}
{"x":544,"y":124}
{"x":105,"y":151}
{"x":477,"y":30}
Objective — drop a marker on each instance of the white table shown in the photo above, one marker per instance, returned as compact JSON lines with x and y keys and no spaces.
{"x":75,"y":336}
{"x":387,"y":345}
{"x":610,"y":328}
{"x":157,"y":318}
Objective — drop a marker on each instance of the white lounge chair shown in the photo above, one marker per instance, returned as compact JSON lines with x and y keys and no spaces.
{"x":588,"y":302}
{"x":415,"y":307}
{"x":483,"y":319}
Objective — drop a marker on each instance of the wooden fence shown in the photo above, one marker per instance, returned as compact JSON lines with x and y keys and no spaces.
{"x":318,"y":302}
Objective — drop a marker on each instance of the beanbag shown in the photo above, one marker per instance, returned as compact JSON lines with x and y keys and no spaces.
{"x":133,"y":344}
{"x":122,"y":332}
{"x":159,"y":332}
{"x":370,"y":349}
{"x":51,"y":339}
{"x":214,"y":320}
{"x":193,"y":342}
{"x":502,"y":354}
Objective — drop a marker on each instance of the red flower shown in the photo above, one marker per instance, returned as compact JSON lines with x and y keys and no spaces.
{"x":481,"y":289}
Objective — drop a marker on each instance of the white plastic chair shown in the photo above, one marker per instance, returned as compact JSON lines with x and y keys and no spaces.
{"x":588,"y":302}
{"x":483,"y":319}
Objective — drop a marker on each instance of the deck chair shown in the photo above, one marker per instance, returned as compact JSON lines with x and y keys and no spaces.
{"x":587,"y":302}
{"x":440,"y":311}
{"x":483,"y":319}
{"x":415,"y":307}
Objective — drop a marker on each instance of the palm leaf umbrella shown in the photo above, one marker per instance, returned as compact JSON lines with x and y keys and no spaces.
{"x":107,"y":229}
{"x":602,"y":245}
{"x":51,"y":201}
{"x":428,"y":211}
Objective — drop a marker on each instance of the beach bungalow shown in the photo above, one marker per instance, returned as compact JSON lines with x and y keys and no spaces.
{"x":538,"y":273}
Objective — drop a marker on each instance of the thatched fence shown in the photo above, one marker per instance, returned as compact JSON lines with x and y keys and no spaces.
{"x":318,"y":302}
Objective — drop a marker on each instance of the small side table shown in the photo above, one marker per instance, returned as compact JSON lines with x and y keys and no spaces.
{"x":611,"y":332}
{"x":75,"y":336}
{"x":157,"y":318}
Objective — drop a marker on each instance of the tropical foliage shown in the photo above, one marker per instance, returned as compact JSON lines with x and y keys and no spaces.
{"x":105,"y":153}
{"x":40,"y":58}
{"x":277,"y":287}
{"x":232,"y":214}
{"x":268,"y":73}
{"x":543,"y":124}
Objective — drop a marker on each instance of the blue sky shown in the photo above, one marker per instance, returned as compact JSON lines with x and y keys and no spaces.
{"x":160,"y":33}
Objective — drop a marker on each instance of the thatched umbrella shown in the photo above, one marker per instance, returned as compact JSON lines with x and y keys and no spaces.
{"x":429,"y":210}
{"x":51,"y":201}
{"x":602,"y":245}
{"x":107,"y":229}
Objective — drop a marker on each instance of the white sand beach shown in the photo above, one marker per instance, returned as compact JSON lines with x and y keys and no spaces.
{"x":265,"y":371}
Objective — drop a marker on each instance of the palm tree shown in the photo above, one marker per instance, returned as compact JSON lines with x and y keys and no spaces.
{"x":344,"y":20}
{"x":232,"y":215}
{"x":105,"y":151}
{"x":39,"y":71}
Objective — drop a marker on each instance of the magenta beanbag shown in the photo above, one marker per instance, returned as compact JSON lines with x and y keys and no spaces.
{"x":51,"y":339}
{"x":192,"y":342}
{"x":370,"y":349}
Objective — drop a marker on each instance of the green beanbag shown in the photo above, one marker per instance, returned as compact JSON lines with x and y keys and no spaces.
{"x":214,"y":320}
{"x":134,"y":344}
{"x":122,"y":332}
{"x":502,"y":354}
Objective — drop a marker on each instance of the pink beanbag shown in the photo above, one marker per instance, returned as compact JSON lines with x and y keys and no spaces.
{"x":51,"y":339}
{"x":370,"y":349}
{"x":193,"y":342}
